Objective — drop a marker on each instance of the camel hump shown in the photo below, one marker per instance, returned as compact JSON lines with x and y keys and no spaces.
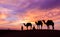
{"x":50,"y":22}
{"x":39,"y":21}
{"x":29,"y":23}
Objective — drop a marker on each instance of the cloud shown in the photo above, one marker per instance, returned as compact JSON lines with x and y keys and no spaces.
{"x":45,"y":4}
{"x":20,"y":11}
{"x":23,"y":5}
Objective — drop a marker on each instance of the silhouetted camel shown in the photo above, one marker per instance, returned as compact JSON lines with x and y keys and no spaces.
{"x":48,"y":23}
{"x":27,"y":25}
{"x":39,"y":23}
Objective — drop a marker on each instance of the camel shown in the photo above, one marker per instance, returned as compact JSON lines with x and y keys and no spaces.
{"x":39,"y":23}
{"x":48,"y":23}
{"x":27,"y":25}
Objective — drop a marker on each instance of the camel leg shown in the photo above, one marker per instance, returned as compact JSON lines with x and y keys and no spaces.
{"x":53,"y":27}
{"x":27,"y":27}
{"x":48,"y":26}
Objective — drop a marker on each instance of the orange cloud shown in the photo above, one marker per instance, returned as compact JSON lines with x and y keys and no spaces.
{"x":29,"y":16}
{"x":36,"y":14}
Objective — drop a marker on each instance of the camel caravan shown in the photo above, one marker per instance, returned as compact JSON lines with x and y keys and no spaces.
{"x":39,"y":24}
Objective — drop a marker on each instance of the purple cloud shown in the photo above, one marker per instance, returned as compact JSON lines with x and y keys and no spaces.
{"x":31,"y":4}
{"x":45,"y":4}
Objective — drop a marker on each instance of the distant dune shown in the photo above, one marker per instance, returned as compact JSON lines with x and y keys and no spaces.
{"x":30,"y":33}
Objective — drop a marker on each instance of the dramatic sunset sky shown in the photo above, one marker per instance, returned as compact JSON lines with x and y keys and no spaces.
{"x":15,"y":12}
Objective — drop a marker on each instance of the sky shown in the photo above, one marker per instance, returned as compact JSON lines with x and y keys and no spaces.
{"x":15,"y":12}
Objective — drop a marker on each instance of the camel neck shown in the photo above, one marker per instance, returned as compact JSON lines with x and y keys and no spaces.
{"x":24,"y":24}
{"x":44,"y":22}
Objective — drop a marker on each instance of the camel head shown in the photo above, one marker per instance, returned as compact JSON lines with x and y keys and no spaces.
{"x":36,"y":22}
{"x":24,"y":23}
